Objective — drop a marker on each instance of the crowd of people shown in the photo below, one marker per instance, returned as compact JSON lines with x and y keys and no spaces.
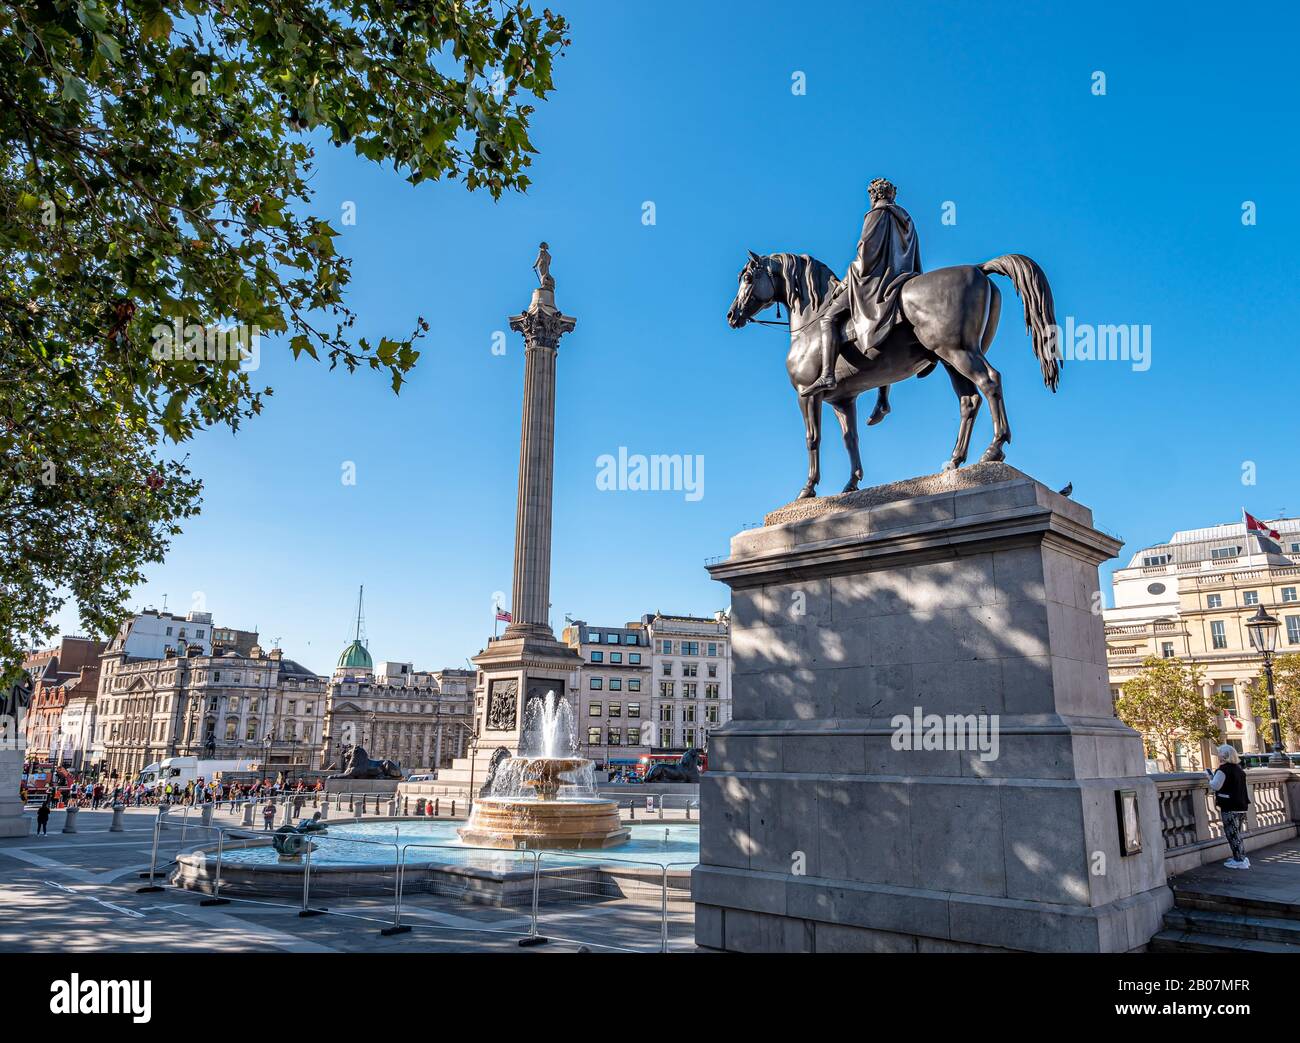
{"x":96,"y":794}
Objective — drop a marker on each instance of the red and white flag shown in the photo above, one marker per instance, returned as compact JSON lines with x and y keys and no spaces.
{"x":1256,"y":526}
{"x":503,"y":616}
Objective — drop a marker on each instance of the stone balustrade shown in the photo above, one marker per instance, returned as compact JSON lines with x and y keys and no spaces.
{"x":1189,"y":818}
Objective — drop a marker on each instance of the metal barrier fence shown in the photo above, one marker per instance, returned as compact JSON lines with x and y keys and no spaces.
{"x":535,"y":893}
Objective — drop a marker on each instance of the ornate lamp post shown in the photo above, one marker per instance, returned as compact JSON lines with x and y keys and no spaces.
{"x":1263,"y":630}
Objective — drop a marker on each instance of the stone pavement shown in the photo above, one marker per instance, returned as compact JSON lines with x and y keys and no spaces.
{"x":77,"y":893}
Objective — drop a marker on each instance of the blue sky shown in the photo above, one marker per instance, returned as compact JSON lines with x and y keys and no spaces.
{"x":1131,"y":202}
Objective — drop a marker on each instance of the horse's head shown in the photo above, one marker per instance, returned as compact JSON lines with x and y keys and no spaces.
{"x":756,"y":291}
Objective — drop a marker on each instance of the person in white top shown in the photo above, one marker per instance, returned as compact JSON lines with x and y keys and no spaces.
{"x":1233,"y":798}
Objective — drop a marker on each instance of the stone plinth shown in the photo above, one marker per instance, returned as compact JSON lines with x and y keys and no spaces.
{"x":963,"y":594}
{"x":13,"y":821}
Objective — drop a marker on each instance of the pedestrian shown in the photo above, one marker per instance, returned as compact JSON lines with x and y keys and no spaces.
{"x":1233,"y":797}
{"x":43,"y":818}
{"x":268,"y":816}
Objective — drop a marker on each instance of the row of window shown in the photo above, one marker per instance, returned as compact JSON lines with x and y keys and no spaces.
{"x":690,"y":690}
{"x":664,"y":740}
{"x":1219,"y":633}
{"x":668,"y":647}
{"x":1251,"y":597}
{"x":616,"y":684}
{"x":616,"y":658}
{"x":615,"y":709}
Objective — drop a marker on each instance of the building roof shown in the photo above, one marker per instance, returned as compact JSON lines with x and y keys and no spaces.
{"x":355,"y":657}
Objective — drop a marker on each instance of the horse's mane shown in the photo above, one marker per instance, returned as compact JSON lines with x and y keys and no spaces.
{"x":807,"y":279}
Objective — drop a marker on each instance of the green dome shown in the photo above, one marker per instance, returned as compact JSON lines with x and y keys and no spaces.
{"x":355,"y":657}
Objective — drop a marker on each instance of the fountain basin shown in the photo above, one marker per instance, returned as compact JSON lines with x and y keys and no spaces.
{"x":573,"y":824}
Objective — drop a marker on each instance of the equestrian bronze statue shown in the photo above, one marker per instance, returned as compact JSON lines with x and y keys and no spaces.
{"x":887,"y":321}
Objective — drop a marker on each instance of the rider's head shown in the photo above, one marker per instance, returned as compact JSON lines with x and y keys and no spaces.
{"x":881,"y":189}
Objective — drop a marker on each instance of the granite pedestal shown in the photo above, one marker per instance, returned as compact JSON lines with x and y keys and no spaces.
{"x":13,"y":822}
{"x":970,"y":594}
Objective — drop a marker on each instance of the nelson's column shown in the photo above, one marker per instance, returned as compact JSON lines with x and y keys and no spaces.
{"x":526,"y":661}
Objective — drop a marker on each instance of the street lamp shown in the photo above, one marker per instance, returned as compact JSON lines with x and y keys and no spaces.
{"x":1263,"y":630}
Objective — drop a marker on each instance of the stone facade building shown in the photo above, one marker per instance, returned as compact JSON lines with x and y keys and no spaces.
{"x":691,"y":666}
{"x":610,"y":693}
{"x":251,"y":705}
{"x":1188,"y":599}
{"x":420,"y":718}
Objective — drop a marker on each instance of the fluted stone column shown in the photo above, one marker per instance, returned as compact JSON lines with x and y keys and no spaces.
{"x":542,"y":326}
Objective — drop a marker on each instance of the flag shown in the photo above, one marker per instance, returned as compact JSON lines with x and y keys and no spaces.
{"x":503,"y":616}
{"x":1256,"y":526}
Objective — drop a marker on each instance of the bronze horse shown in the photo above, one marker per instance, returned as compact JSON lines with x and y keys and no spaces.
{"x":950,"y":317}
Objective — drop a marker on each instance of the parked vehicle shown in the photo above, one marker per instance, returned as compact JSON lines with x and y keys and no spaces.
{"x":180,"y":771}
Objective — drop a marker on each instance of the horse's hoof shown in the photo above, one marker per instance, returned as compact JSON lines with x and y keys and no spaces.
{"x":807,"y":492}
{"x":951,"y":465}
{"x":993,"y":456}
{"x":877,"y":415}
{"x":852,"y":487}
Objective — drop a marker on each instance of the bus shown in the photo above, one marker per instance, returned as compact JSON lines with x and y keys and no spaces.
{"x":37,"y":776}
{"x":647,"y":761}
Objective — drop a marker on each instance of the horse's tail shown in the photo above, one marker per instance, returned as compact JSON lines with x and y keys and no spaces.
{"x":1040,"y":313}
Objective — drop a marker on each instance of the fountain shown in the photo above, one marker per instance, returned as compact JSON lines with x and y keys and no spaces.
{"x":545,"y":798}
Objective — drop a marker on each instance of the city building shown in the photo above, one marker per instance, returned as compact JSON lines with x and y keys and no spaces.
{"x":420,"y":718}
{"x":1188,"y":599}
{"x":64,"y":682}
{"x":691,"y":667}
{"x":610,"y":694}
{"x":201,"y":698}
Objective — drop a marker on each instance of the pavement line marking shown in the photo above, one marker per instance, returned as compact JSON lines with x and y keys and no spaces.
{"x":250,"y":933}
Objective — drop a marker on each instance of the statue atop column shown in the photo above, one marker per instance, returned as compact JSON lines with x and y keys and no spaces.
{"x":542,"y":266}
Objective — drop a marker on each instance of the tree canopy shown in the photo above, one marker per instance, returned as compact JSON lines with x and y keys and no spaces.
{"x":1164,"y":703}
{"x":155,"y":167}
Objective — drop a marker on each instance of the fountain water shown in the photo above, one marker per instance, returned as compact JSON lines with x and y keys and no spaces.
{"x":545,"y":797}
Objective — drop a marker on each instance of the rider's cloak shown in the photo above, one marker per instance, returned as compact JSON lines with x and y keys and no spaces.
{"x":888,"y":255}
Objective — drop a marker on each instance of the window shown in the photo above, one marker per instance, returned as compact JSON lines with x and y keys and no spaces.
{"x":234,"y":704}
{"x":666,"y":689}
{"x":690,"y":648}
{"x":688,"y":713}
{"x":1293,"y":630}
{"x":616,"y":709}
{"x":711,"y":691}
{"x":1155,"y":559}
{"x":615,"y":657}
{"x":597,"y":656}
{"x":1250,"y":597}
{"x":688,"y":691}
{"x":593,"y":736}
{"x":634,"y":658}
{"x":306,"y":733}
{"x":1218,"y":553}
{"x":1217,"y":635}
{"x":611,"y":639}
{"x":1295,"y":548}
{"x":630,"y":639}
{"x":597,"y":683}
{"x":666,"y":712}
{"x":690,"y":737}
{"x":668,"y":669}
{"x":596,"y":710}
{"x":230,"y":731}
{"x":634,"y":736}
{"x":1214,"y":601}
{"x":665,"y":738}
{"x":713,"y":669}
{"x":616,"y":684}
{"x":634,"y":684}
{"x":616,"y":737}
{"x":593,"y":636}
{"x":1288,"y":594}
{"x":1166,"y":649}
{"x":250,"y":733}
{"x":711,"y":714}
{"x":690,"y":669}
{"x":666,"y":647}
{"x":712,"y":648}
{"x":634,"y":709}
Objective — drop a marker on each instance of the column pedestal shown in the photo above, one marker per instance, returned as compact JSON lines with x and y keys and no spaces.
{"x":828,"y":822}
{"x":13,"y":821}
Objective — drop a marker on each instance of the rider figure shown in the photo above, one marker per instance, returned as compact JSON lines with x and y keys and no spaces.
{"x":888,"y":255}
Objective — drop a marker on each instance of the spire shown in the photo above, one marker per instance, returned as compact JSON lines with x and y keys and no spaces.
{"x":361,"y":619}
{"x":356,"y":656}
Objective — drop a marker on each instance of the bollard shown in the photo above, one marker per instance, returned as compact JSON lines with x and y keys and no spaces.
{"x":325,"y":811}
{"x":453,"y":807}
{"x":248,"y":814}
{"x":117,"y":827}
{"x":163,"y":811}
{"x":351,"y":803}
{"x":392,"y":807}
{"x":207,"y":814}
{"x":70,"y":819}
{"x":437,"y":805}
{"x":287,"y":818}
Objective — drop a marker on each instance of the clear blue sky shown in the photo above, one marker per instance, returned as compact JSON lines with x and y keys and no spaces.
{"x":1131,"y":202}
